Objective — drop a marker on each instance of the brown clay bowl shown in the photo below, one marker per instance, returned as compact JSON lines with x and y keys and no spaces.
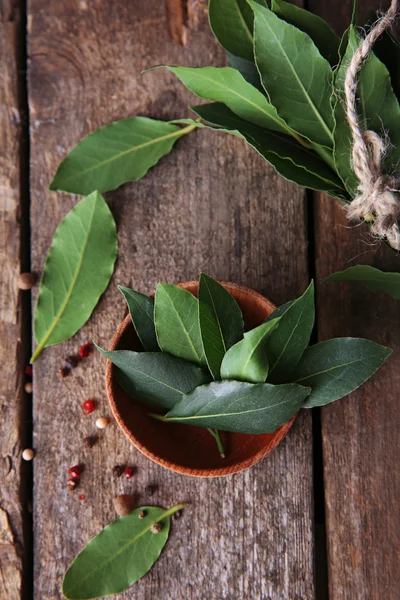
{"x":187,"y":449}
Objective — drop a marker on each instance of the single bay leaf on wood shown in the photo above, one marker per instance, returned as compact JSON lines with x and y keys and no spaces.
{"x":141,"y":309}
{"x":78,"y":268}
{"x":158,"y":379}
{"x":319,"y":31}
{"x":119,"y":555}
{"x":176,"y":316}
{"x":297,"y":79}
{"x":239,"y":407}
{"x":221,"y":321}
{"x":287,"y":343}
{"x":247,"y":360}
{"x":373,"y":279}
{"x":112,"y":155}
{"x":291,"y":160}
{"x":336,"y":367}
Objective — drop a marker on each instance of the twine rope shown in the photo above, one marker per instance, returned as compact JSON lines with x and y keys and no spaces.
{"x":376,"y":199}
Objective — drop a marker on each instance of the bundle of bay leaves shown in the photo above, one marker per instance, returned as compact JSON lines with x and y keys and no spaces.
{"x":283,"y":94}
{"x":200,"y":367}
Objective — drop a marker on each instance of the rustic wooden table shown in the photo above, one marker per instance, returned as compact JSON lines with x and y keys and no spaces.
{"x":213,"y":204}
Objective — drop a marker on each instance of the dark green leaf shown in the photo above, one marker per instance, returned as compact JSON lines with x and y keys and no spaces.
{"x":291,"y":160}
{"x":247,"y":68}
{"x":378,"y":109}
{"x":78,"y":268}
{"x":176,"y":316}
{"x":387,"y":49}
{"x":112,"y":155}
{"x":319,"y":31}
{"x":157,"y":379}
{"x":335,"y":368}
{"x":247,"y":360}
{"x":239,"y":407}
{"x":297,"y":79}
{"x":278,"y":312}
{"x":221,"y":321}
{"x":372,"y":278}
{"x":141,"y":309}
{"x":119,"y":555}
{"x":287,"y":343}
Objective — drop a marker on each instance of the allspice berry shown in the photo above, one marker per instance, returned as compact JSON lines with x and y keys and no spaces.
{"x":156,"y":527}
{"x":28,"y":454}
{"x":26,"y":281}
{"x":123,"y":505}
{"x":28,"y":387}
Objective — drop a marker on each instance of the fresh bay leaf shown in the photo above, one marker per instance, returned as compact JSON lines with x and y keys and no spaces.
{"x":387,"y":49}
{"x":141,"y":309}
{"x":77,"y":270}
{"x":319,"y":31}
{"x":231,"y":22}
{"x":291,"y":160}
{"x":247,"y":68}
{"x":297,"y":79}
{"x":287,"y":343}
{"x":336,"y":367}
{"x":226,"y":85}
{"x":239,"y":407}
{"x":374,"y":279}
{"x":247,"y":360}
{"x":221,"y":321}
{"x":119,"y":555}
{"x":176,"y":316}
{"x":278,"y":312}
{"x":378,"y":110}
{"x":112,"y":155}
{"x":158,"y":379}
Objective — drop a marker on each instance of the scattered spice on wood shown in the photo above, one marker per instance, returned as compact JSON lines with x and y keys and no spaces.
{"x":28,"y":387}
{"x":75,"y":471}
{"x":63,"y":373}
{"x":88,"y":406}
{"x":176,"y":516}
{"x":128,"y":473}
{"x":26,"y":281}
{"x":89,"y":441}
{"x":71,"y":362}
{"x":71,"y":484}
{"x":150,"y":489}
{"x":102,"y":422}
{"x":29,"y":370}
{"x":123,"y":504}
{"x":118,"y":470}
{"x":82,"y":497}
{"x":85,"y":350}
{"x":28,"y":454}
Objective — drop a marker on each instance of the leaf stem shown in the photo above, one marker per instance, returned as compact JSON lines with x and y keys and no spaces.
{"x":217,"y":438}
{"x":171,"y":511}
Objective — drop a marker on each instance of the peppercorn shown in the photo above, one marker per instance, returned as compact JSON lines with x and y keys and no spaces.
{"x":118,"y":470}
{"x":75,"y":472}
{"x":28,"y":387}
{"x":26,"y":281}
{"x":89,"y":441}
{"x":85,"y":350}
{"x":28,"y":454}
{"x":149,"y":490}
{"x":71,"y":362}
{"x":88,"y":406}
{"x":156,"y":527}
{"x":177,"y":515}
{"x":63,"y":372}
{"x":101,"y":422}
{"x":142,"y":514}
{"x":128,"y":473}
{"x":82,"y":497}
{"x":71,"y":484}
{"x":29,"y":370}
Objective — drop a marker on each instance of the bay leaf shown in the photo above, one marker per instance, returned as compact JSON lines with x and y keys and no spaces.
{"x":247,"y":360}
{"x":337,"y":367}
{"x":141,"y":309}
{"x":119,"y":555}
{"x":293,"y":161}
{"x":114,"y":154}
{"x":239,"y":407}
{"x":247,"y":68}
{"x":378,"y":110}
{"x":78,"y":268}
{"x":319,"y":31}
{"x":278,"y":312}
{"x":157,"y":379}
{"x":374,"y":279}
{"x":287,"y":343}
{"x":296,"y":78}
{"x":176,"y":316}
{"x":221,"y":321}
{"x":387,"y":49}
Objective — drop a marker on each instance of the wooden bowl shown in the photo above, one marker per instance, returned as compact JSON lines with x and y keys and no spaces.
{"x":182,"y":448}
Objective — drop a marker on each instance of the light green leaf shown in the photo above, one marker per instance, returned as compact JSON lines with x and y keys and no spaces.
{"x":176,"y":315}
{"x":226,"y":85}
{"x":335,"y":368}
{"x":78,"y":268}
{"x":119,"y":555}
{"x":157,"y":379}
{"x":378,"y":110}
{"x":247,"y":360}
{"x":239,"y":407}
{"x":287,"y":343}
{"x":112,"y":155}
{"x":373,"y":279}
{"x":231,"y":22}
{"x":291,"y":160}
{"x":221,"y":321}
{"x":297,"y":79}
{"x":141,"y":309}
{"x":319,"y":31}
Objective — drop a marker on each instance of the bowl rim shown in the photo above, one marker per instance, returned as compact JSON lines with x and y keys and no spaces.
{"x":278,"y":435}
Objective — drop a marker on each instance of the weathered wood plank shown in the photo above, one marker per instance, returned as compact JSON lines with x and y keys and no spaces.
{"x":361,"y":441}
{"x":11,"y":379}
{"x":212,"y":205}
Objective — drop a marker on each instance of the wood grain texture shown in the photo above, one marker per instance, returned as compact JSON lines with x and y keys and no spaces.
{"x":11,"y":379}
{"x":212,"y":205}
{"x":361,"y":441}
